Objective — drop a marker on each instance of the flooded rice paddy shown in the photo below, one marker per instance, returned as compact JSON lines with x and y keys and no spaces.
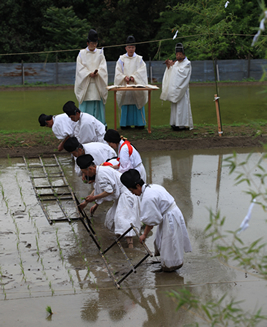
{"x":59,"y":266}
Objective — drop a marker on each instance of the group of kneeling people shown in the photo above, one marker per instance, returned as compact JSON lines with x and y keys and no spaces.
{"x":123,"y":181}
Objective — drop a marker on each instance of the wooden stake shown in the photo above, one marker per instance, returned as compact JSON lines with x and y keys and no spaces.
{"x":218,"y":115}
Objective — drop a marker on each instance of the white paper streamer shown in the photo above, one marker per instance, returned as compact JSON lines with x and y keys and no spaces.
{"x":226,"y":4}
{"x":261,"y":29}
{"x":244,"y":225}
{"x":175,"y":35}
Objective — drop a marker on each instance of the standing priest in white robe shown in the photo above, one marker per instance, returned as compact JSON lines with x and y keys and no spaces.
{"x":175,"y":88}
{"x":92,"y":79}
{"x":101,"y":152}
{"x":131,"y":69}
{"x":61,"y":125}
{"x":88,"y":128}
{"x":108,"y":187}
{"x":158,"y":208}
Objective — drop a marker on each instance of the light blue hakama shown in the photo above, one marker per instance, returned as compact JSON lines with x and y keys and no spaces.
{"x":132,"y":116}
{"x":94,"y":108}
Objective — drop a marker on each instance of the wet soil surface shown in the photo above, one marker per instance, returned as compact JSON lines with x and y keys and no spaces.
{"x":151,"y":145}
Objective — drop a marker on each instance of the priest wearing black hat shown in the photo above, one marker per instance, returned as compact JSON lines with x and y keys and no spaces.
{"x":108,"y":187}
{"x":88,"y":128}
{"x":92,"y":79}
{"x":175,"y":88}
{"x":61,"y":125}
{"x":131,"y":69}
{"x":158,"y":208}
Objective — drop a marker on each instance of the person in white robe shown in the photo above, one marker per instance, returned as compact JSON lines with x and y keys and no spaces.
{"x":128,"y":156}
{"x":158,"y":208}
{"x":101,"y":152}
{"x":131,"y":69}
{"x":61,"y":125}
{"x":108,"y":187}
{"x":88,"y":128}
{"x":175,"y":88}
{"x":91,"y":79}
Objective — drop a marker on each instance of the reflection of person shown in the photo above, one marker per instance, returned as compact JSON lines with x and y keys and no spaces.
{"x":159,"y":208}
{"x":99,"y":151}
{"x":61,"y":125}
{"x":128,"y":156}
{"x":88,"y":128}
{"x":92,"y":79}
{"x":131,"y":69}
{"x":175,"y":88}
{"x":108,"y":187}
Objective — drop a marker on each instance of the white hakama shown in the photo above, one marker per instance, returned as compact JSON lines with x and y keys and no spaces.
{"x":175,"y":88}
{"x":126,"y":207}
{"x":158,"y":208}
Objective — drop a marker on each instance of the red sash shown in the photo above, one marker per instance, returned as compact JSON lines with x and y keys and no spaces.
{"x":130,"y":148}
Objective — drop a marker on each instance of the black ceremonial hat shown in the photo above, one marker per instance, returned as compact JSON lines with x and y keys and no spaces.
{"x":70,"y":109}
{"x":43,"y":118}
{"x":130,"y":40}
{"x":71,"y":144}
{"x":112,"y":136}
{"x":179,"y":48}
{"x":92,"y":36}
{"x":130,"y":178}
{"x":85,"y":161}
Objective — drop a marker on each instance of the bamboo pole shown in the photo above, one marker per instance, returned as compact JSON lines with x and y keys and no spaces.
{"x":218,"y":115}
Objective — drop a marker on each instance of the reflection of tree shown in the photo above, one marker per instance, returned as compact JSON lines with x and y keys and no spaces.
{"x":180,"y":185}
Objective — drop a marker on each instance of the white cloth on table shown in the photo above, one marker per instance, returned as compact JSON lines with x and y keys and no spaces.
{"x":158,"y":208}
{"x":175,"y":88}
{"x":89,"y":129}
{"x":62,"y":126}
{"x":88,"y":88}
{"x":126,"y":206}
{"x":99,"y":151}
{"x":131,"y":66}
{"x":132,"y":161}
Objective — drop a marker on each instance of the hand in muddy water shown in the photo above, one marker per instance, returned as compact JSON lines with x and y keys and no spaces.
{"x":83,"y":205}
{"x":142,"y":238}
{"x":93,"y":208}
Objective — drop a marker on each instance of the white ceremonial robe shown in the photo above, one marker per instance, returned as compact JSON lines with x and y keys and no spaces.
{"x":158,"y":208}
{"x":132,"y":161}
{"x":131,"y":66}
{"x":126,"y":206}
{"x":175,"y":88}
{"x":89,"y":129}
{"x":99,"y":151}
{"x":62,"y":126}
{"x":88,"y":88}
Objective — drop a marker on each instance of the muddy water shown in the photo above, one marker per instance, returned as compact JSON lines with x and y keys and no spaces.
{"x":58,"y":265}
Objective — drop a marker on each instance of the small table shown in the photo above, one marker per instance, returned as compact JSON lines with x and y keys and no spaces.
{"x":115,"y":89}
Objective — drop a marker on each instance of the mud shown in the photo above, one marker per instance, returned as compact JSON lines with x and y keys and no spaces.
{"x":58,"y":265}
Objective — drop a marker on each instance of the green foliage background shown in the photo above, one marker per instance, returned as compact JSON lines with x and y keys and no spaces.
{"x":50,"y":25}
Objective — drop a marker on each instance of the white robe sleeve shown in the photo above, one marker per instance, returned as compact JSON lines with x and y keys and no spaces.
{"x":101,"y":80}
{"x":82,"y":79}
{"x":179,"y":82}
{"x":125,"y":162}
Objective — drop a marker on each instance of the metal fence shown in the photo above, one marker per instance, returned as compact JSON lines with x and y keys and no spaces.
{"x":64,"y":73}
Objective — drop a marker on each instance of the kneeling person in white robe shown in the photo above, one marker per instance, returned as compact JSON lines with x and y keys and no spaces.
{"x":61,"y":125}
{"x":101,"y":152}
{"x":88,"y":128}
{"x":108,"y":187}
{"x":158,"y":208}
